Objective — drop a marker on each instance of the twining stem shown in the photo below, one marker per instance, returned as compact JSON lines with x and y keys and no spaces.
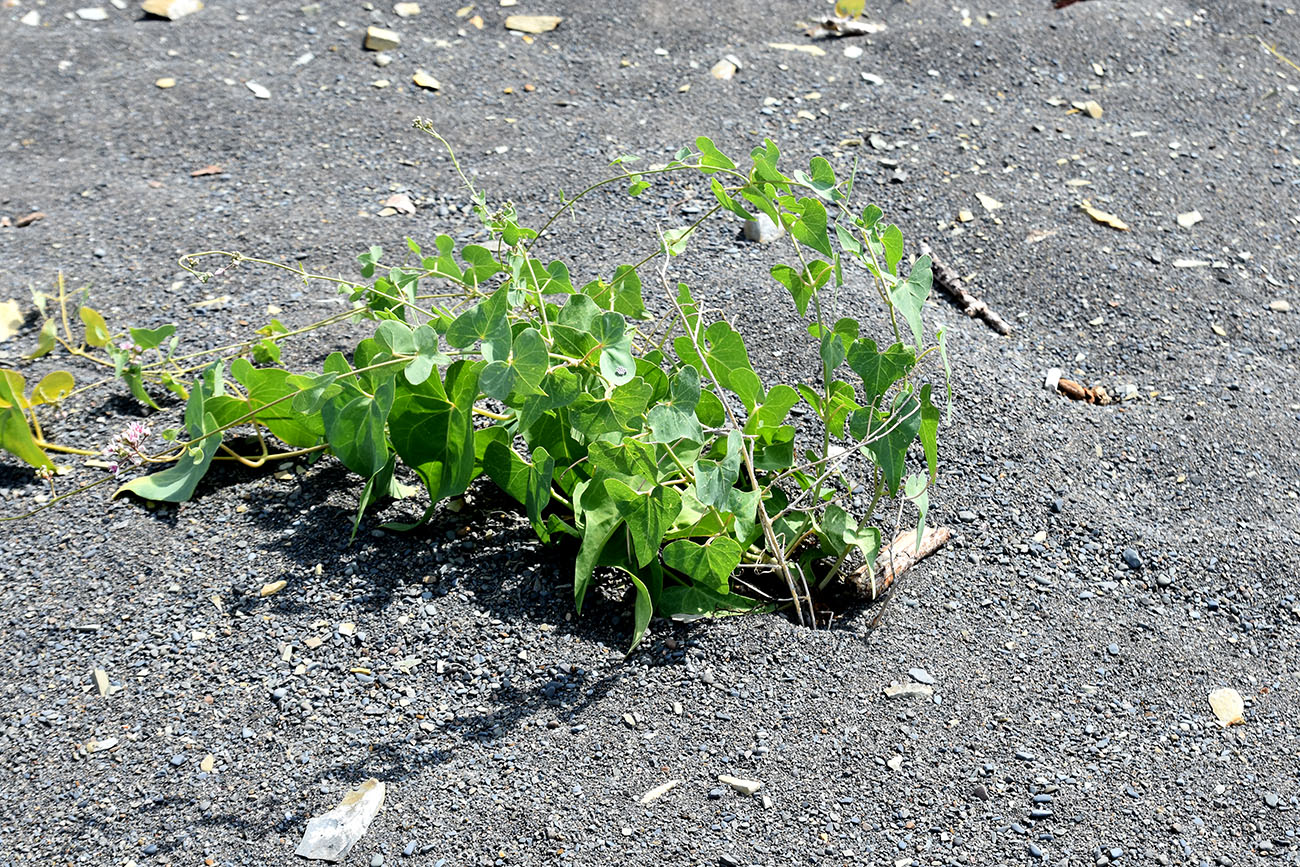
{"x":52,"y":447}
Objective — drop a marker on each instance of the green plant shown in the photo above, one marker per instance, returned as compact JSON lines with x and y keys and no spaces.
{"x":652,"y":443}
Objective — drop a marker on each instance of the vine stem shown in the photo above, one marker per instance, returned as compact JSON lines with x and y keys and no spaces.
{"x":769,"y":532}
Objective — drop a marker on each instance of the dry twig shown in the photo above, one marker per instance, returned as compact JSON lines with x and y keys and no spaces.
{"x":948,"y":281}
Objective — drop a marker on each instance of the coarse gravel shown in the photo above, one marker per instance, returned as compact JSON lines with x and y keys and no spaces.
{"x":1110,"y":567}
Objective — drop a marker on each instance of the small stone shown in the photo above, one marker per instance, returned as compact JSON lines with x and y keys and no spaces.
{"x":725,"y":860}
{"x":980,"y":793}
{"x":1035,"y":852}
{"x":853,"y":52}
{"x":379,"y":39}
{"x":1189,"y":219}
{"x":258,"y":90}
{"x":106,"y":744}
{"x":165,"y":83}
{"x":659,"y":791}
{"x":31,"y":19}
{"x":920,"y":675}
{"x":1025,"y":755}
{"x":966,"y":515}
{"x":209,"y":762}
{"x":716,"y":794}
{"x":1132,"y":558}
{"x":101,"y":681}
{"x":178,"y":760}
{"x":93,"y":13}
{"x":1272,"y":799}
{"x":171,"y":9}
{"x":1280,"y":305}
{"x":762,"y":229}
{"x":1092,"y":108}
{"x":382,"y":59}
{"x":1228,"y":706}
{"x":377,"y":860}
{"x":909,"y":690}
{"x":28,"y":219}
{"x":1113,"y":649}
{"x":1115,"y":853}
{"x":895,"y":763}
{"x":533,"y":23}
{"x":425,"y":80}
{"x":409,"y":849}
{"x":965,"y":216}
{"x":723,"y":70}
{"x":872,"y":79}
{"x":273,"y":588}
{"x":744,"y":787}
{"x":406,"y":10}
{"x":1053,"y":379}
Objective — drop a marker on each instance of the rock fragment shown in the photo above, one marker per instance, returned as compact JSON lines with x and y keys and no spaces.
{"x":763,"y":230}
{"x":171,"y":9}
{"x":533,"y":23}
{"x":379,"y":39}
{"x":743,"y":787}
{"x":330,"y":837}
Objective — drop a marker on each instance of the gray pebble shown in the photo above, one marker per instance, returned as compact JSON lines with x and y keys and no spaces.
{"x":1113,"y":649}
{"x":920,"y":675}
{"x":377,"y":860}
{"x":1132,"y":558}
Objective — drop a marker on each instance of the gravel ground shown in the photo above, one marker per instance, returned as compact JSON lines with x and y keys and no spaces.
{"x":1111,"y":566}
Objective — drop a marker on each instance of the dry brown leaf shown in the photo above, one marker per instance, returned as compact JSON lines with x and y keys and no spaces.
{"x":1102,"y":217}
{"x":1039,"y":235}
{"x":533,"y":23}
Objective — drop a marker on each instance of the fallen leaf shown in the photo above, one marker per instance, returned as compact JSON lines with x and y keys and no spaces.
{"x":533,"y":23}
{"x":989,"y":203}
{"x":1189,"y":219}
{"x":477,"y":22}
{"x":1227,"y":706}
{"x":273,"y":588}
{"x":790,"y":46}
{"x":1039,"y":235}
{"x":400,"y":202}
{"x":425,"y":80}
{"x":1102,"y":217}
{"x":1218,"y":329}
{"x":213,"y":169}
{"x":11,"y":319}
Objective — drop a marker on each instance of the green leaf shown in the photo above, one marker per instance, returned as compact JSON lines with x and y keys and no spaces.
{"x":689,"y":603}
{"x":96,"y":329}
{"x":809,"y":227}
{"x":266,"y":352}
{"x":53,"y":387}
{"x":711,"y":159}
{"x":641,"y":611}
{"x":648,"y":515}
{"x":714,"y":480}
{"x":669,"y":424}
{"x":638,"y":186}
{"x":709,"y":565}
{"x":616,"y":363}
{"x":929,"y":432}
{"x":728,"y":203}
{"x":774,"y":448}
{"x":578,"y":312}
{"x":594,"y":417}
{"x":44,"y":340}
{"x":893,"y":435}
{"x":266,"y":386}
{"x":15,"y":434}
{"x":843,"y":401}
{"x":377,"y":486}
{"x":765,"y":159}
{"x":354,"y":427}
{"x":427,"y":355}
{"x":892,"y":240}
{"x":776,"y":406}
{"x":942,"y":336}
{"x":521,"y":371}
{"x":368,"y":261}
{"x":600,"y":518}
{"x":879,"y":370}
{"x":151,"y":338}
{"x":628,"y":457}
{"x":710,"y":411}
{"x":909,"y":296}
{"x":480,"y":264}
{"x":871,"y":215}
{"x":503,"y":465}
{"x":432,"y":429}
{"x":135,"y":381}
{"x":747,"y":386}
{"x":626,"y":288}
{"x":395,"y":337}
{"x":802,"y":284}
{"x":485,"y":321}
{"x":538,"y":491}
{"x":674,"y":240}
{"x":724,"y":350}
{"x":314,"y":391}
